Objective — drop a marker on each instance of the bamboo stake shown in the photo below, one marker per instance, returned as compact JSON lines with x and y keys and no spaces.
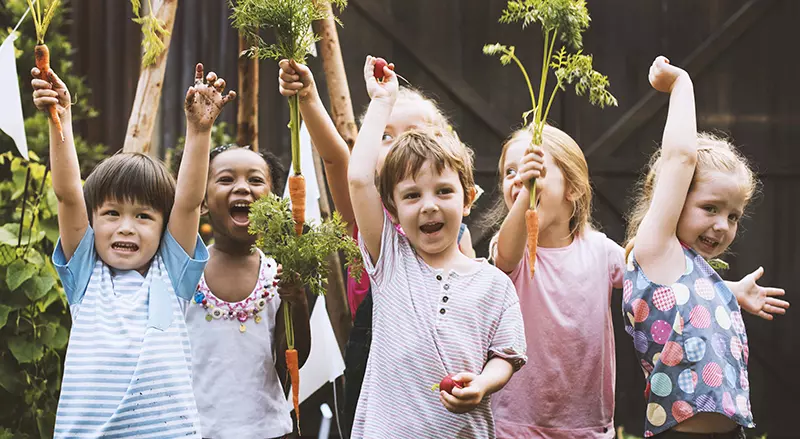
{"x":247,"y":116}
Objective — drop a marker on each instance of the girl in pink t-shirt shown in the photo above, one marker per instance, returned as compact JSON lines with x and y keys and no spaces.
{"x":568,"y":389}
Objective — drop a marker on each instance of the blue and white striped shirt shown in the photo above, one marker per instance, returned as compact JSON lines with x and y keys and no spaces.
{"x":128,"y":371}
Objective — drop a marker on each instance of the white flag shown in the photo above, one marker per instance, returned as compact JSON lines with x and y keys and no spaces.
{"x":325,"y":362}
{"x":11,"y":120}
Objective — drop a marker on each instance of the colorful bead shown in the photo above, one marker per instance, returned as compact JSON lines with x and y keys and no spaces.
{"x":217,"y":313}
{"x":242,"y":328}
{"x":242,"y":316}
{"x":209,"y":318}
{"x":199,"y":297}
{"x":258,"y":318}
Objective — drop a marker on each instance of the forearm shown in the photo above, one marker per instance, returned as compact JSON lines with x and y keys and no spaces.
{"x":193,"y":172}
{"x":302,"y":330}
{"x":64,"y":165}
{"x":361,"y":171}
{"x":680,"y":130}
{"x":510,"y":242}
{"x":495,"y":375}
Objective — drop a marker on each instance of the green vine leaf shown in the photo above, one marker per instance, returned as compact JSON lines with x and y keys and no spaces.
{"x":6,"y":237}
{"x":4,"y":310}
{"x":38,"y":286}
{"x":18,"y":272}
{"x":25,"y":350}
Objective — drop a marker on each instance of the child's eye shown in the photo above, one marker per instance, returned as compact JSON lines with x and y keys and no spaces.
{"x":387,"y":137}
{"x":511,"y":172}
{"x":411,"y":196}
{"x":258,"y":180}
{"x":110,"y":212}
{"x":225,"y":179}
{"x":733,"y":218}
{"x":145,"y":216}
{"x":710,"y":209}
{"x":446,"y":190}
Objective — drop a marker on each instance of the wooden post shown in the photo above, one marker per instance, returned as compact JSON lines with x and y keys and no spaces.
{"x":148,"y":91}
{"x":247,"y":116}
{"x":342,"y":114}
{"x":336,"y":79}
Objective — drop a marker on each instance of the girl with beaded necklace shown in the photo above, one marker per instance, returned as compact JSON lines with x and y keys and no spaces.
{"x":235,"y":321}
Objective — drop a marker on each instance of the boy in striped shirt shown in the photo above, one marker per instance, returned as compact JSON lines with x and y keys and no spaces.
{"x":129,"y":259}
{"x":435,"y":310}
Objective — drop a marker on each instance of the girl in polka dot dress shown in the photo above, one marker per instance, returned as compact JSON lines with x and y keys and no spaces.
{"x":686,"y":322}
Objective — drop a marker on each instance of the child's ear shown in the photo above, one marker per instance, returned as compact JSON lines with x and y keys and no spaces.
{"x":204,"y":208}
{"x":471,"y":196}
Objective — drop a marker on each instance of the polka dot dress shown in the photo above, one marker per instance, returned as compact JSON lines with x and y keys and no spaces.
{"x":691,"y":343}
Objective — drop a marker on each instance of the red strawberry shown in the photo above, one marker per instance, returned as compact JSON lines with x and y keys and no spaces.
{"x":448,"y":383}
{"x":380,"y":63}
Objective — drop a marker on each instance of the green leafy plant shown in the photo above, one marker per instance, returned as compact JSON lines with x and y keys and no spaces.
{"x":565,"y":21}
{"x":153,"y":32}
{"x":304,"y":255}
{"x":34,"y":323}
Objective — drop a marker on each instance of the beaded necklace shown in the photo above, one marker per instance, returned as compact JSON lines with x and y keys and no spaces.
{"x":249,"y":308}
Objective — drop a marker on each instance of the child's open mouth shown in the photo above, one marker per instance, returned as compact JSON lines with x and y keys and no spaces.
{"x":431,"y":227}
{"x":710,"y":243}
{"x":240,"y":212}
{"x":125,"y":247}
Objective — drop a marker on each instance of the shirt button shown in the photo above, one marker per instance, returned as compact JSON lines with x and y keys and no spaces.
{"x":442,"y":311}
{"x":445,"y":299}
{"x":446,"y":286}
{"x":438,"y":277}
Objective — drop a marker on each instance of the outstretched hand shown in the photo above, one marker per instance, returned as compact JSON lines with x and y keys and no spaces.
{"x":664,"y":75}
{"x":758,"y":300}
{"x":204,"y":100}
{"x":49,"y":91}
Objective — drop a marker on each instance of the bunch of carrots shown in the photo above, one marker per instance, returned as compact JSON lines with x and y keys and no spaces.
{"x":291,"y":20}
{"x":565,"y":20}
{"x":41,"y":21}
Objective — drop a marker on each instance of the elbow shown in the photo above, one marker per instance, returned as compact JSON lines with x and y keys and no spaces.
{"x":684,"y":153}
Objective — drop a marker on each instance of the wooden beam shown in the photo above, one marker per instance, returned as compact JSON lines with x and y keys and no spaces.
{"x":456,"y":86}
{"x":148,"y":92}
{"x":695,"y":63}
{"x":247,"y":116}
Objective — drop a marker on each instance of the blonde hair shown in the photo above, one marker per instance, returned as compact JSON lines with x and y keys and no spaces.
{"x":412,"y":149}
{"x":714,"y":153}
{"x":570,"y":160}
{"x":434,"y":116}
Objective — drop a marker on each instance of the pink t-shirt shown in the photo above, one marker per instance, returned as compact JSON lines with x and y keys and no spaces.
{"x":567,"y":388}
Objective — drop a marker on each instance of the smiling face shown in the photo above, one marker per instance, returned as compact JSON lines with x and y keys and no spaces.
{"x":127,"y":235}
{"x":711,"y":213}
{"x":430,"y":207}
{"x":237,"y":177}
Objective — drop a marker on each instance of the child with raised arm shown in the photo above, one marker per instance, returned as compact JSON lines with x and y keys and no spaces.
{"x":686,"y":322}
{"x":412,"y":110}
{"x":129,"y":259}
{"x":436,"y":311}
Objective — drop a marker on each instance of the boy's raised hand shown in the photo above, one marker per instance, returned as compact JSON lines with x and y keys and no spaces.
{"x":386,"y":90}
{"x":204,"y":100}
{"x":295,"y":79}
{"x":663,"y":75}
{"x":52,"y":92}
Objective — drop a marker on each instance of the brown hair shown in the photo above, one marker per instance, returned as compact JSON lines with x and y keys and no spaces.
{"x":714,"y":153}
{"x":130,"y":177}
{"x":569,"y":158}
{"x":415,"y":147}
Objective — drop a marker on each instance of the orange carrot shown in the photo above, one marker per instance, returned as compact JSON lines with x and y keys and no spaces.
{"x":293,"y":367}
{"x":297,"y":193}
{"x":532,"y":227}
{"x":42,"y":55}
